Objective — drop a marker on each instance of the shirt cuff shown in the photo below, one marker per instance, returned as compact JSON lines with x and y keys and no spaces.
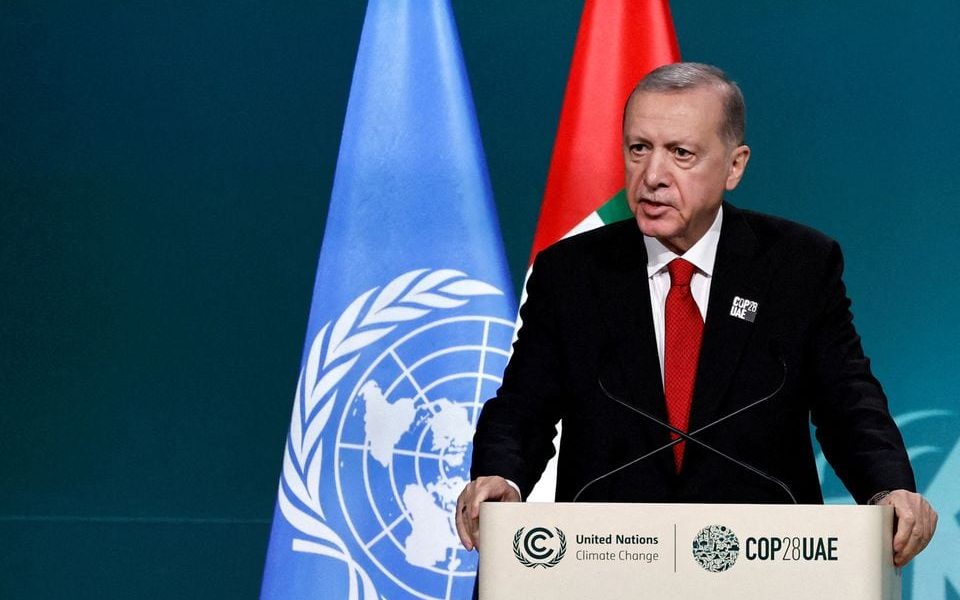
{"x":516,"y":487}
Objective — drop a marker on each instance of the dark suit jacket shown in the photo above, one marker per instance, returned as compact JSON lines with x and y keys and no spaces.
{"x":588,"y":318}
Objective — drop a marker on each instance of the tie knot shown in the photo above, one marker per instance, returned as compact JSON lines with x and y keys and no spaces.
{"x":680,"y":272}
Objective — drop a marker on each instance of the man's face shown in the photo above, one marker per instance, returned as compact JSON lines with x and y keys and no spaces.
{"x":678,"y":164}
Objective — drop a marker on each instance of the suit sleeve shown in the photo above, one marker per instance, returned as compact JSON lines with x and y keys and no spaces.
{"x":854,"y":426}
{"x":515,"y":431}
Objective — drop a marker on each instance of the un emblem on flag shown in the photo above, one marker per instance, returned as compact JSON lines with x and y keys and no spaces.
{"x":403,"y":445}
{"x":380,"y":441}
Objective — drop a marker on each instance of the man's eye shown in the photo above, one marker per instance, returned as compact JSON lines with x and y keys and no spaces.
{"x":638,"y":148}
{"x":682,"y":153}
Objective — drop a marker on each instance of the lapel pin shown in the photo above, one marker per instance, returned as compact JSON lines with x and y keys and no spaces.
{"x":744,"y":309}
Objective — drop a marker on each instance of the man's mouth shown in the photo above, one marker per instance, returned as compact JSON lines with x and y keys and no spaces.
{"x":653,"y":207}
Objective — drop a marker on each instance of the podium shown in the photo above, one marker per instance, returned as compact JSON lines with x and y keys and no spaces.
{"x":662,"y":551}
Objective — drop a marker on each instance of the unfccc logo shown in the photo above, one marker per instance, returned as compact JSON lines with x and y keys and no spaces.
{"x":540,"y":547}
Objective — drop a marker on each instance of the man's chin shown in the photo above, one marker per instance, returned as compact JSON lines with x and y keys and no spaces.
{"x":657,"y":228}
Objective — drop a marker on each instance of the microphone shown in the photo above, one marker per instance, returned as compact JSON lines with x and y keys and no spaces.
{"x":690,"y":437}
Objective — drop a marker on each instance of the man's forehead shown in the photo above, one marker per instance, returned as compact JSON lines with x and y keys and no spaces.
{"x":685,"y":111}
{"x":697,"y":100}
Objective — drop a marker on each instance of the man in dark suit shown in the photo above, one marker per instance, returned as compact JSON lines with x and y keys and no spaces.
{"x":691,"y":312}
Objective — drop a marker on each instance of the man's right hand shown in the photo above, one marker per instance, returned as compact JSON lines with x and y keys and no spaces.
{"x":481,"y":489}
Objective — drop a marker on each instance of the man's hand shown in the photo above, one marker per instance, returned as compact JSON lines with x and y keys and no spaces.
{"x":916,"y":521}
{"x":491,"y":489}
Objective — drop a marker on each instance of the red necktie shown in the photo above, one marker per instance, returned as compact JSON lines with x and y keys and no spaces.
{"x":684,"y":331}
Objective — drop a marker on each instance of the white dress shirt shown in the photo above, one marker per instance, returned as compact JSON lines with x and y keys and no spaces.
{"x":702,"y":255}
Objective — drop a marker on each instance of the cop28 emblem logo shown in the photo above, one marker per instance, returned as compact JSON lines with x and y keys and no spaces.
{"x":393,"y":398}
{"x":539,"y":547}
{"x":715,"y":548}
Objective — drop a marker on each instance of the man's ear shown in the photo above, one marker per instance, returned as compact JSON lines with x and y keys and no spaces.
{"x":738,"y":164}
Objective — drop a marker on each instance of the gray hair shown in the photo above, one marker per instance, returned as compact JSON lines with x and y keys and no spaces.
{"x":677,"y":77}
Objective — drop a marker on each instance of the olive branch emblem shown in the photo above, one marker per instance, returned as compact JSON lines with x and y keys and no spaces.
{"x":334,"y":351}
{"x":556,"y":558}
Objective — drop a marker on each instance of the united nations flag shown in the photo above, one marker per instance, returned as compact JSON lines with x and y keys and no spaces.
{"x":409,"y":331}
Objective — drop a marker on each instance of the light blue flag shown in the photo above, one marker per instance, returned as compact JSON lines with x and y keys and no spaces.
{"x":409,"y":331}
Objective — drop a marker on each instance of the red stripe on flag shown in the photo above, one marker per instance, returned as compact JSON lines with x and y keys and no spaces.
{"x":619,"y":41}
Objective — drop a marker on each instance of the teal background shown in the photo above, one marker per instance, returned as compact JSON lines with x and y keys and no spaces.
{"x":164,"y":175}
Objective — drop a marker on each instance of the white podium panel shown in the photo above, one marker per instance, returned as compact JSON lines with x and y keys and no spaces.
{"x":661,"y":551}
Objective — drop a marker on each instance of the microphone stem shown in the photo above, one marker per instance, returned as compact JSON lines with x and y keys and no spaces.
{"x":690,"y":437}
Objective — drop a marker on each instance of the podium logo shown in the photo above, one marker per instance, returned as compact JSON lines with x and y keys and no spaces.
{"x":539,"y":547}
{"x":716,"y":548}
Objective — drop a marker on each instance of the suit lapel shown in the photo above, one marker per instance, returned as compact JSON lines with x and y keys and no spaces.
{"x":736,"y":273}
{"x":631,"y":372}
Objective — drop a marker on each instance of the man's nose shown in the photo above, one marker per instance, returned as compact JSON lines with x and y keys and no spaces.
{"x":656,"y":174}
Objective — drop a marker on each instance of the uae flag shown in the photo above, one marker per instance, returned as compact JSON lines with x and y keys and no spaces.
{"x":619,"y":41}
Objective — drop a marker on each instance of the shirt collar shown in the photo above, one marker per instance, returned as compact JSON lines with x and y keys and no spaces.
{"x":702,"y":254}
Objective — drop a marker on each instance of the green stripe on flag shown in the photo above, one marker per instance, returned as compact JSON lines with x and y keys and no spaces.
{"x":615,"y":209}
